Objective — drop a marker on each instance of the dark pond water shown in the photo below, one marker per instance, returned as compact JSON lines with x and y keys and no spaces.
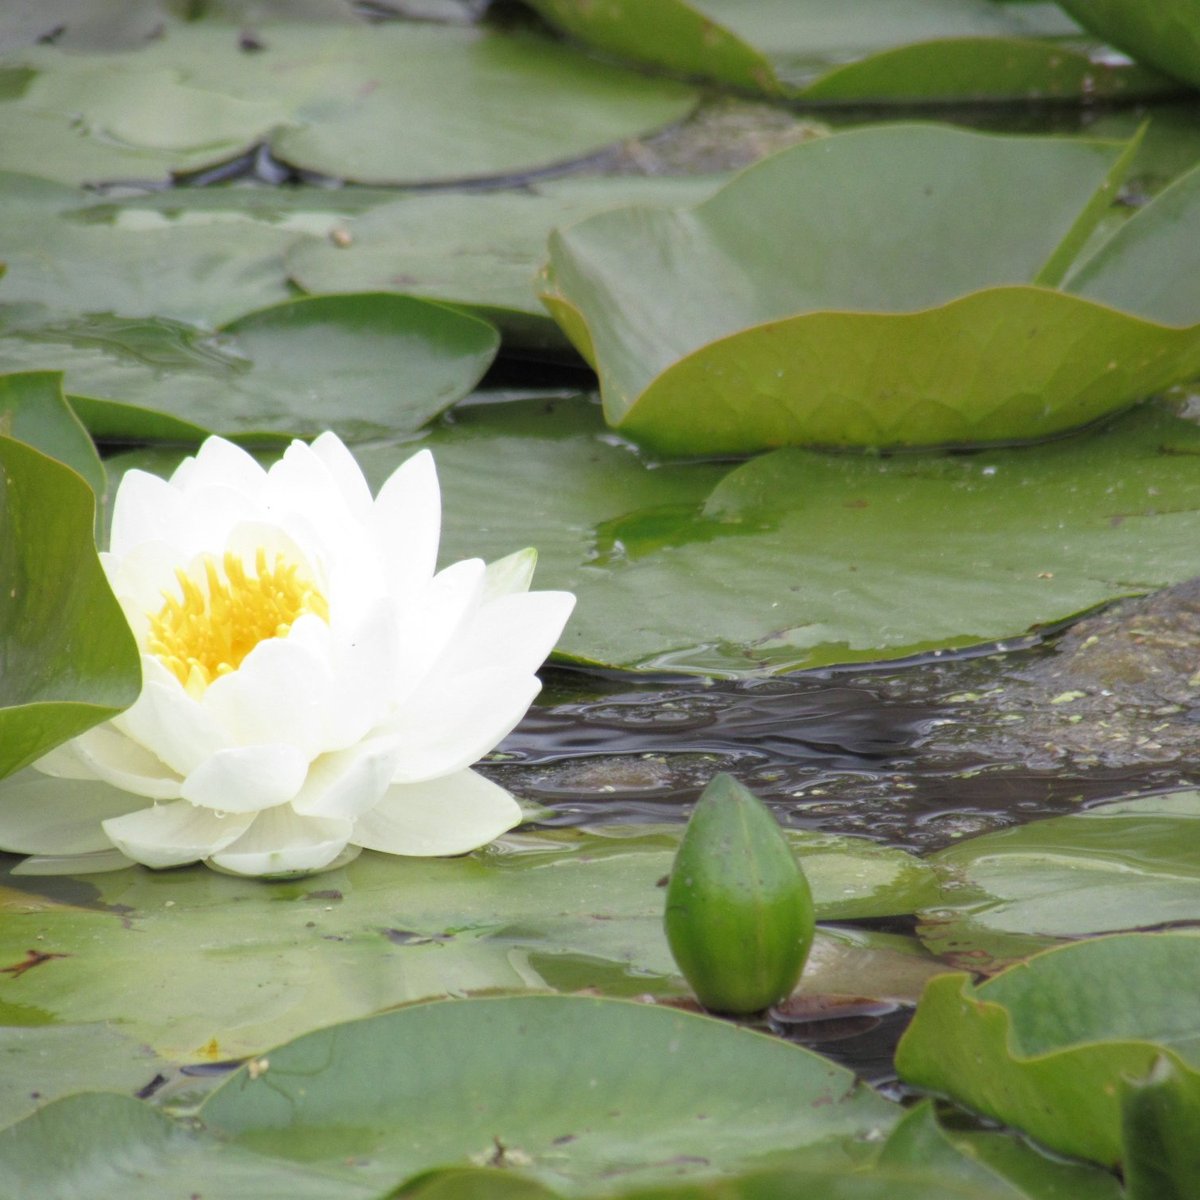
{"x":884,"y":753}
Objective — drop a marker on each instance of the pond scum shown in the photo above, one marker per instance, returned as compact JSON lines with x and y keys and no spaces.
{"x":838,"y":358}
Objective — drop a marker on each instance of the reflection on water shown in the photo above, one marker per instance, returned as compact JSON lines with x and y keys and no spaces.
{"x":919,"y":755}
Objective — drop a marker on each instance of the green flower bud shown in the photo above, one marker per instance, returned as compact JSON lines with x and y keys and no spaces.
{"x":739,"y":917}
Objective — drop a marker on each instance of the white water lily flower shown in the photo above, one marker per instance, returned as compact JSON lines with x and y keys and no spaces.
{"x":311,"y":683}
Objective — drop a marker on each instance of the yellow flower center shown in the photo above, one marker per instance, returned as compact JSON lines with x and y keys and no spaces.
{"x":211,"y":629}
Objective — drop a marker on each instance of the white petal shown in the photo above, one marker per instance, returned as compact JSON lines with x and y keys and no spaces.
{"x":517,"y":631}
{"x":349,"y":782}
{"x":344,"y":468}
{"x":407,"y":524}
{"x":513,"y":573}
{"x":172,"y":725}
{"x":73,"y":864}
{"x":220,"y":462}
{"x":452,"y":722}
{"x":282,"y":841}
{"x":279,"y":694}
{"x":169,"y":835}
{"x":441,"y":614}
{"x":444,"y":816}
{"x":247,"y":778}
{"x":366,"y":670}
{"x":41,"y":815}
{"x":105,"y":753}
{"x":145,"y":509}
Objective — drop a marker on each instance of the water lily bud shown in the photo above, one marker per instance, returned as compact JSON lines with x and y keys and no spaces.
{"x":739,"y":915}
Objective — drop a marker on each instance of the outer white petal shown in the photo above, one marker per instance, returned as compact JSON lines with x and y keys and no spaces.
{"x":452,"y":721}
{"x":517,"y":631}
{"x":220,"y":462}
{"x":106,"y":754}
{"x":280,"y":693}
{"x":346,"y":472}
{"x":169,"y":835}
{"x":282,"y":841}
{"x":145,"y":509}
{"x":513,"y":573}
{"x":444,"y":816}
{"x":40,"y":815}
{"x":247,"y":779}
{"x":73,"y":864}
{"x":437,"y":620}
{"x":171,"y":724}
{"x":347,"y":783}
{"x":407,"y":524}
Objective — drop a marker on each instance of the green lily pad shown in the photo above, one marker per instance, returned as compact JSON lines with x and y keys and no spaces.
{"x":573,"y":1089}
{"x":276,"y":956}
{"x":1044,"y":1045}
{"x":399,"y":102}
{"x":480,"y":251}
{"x":748,"y":580}
{"x":877,"y":50}
{"x":1134,"y":864}
{"x":991,"y":1162}
{"x":107,"y":1147}
{"x":1160,"y":1159}
{"x":897,"y":297}
{"x":43,"y":1063}
{"x":365,"y":365}
{"x":202,"y":271}
{"x":1164,"y":35}
{"x":919,"y":1161}
{"x":33,"y":411}
{"x":67,"y":658}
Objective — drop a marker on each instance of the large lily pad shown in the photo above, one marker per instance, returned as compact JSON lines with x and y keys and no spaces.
{"x":879,"y":50}
{"x":189,"y":260}
{"x":394,"y":103}
{"x":280,"y":958}
{"x":108,"y":1147}
{"x":1134,"y":864}
{"x":577,"y":1089}
{"x":67,"y":658}
{"x":480,"y":251}
{"x":1044,"y":1045}
{"x":880,"y":288}
{"x":1165,"y":34}
{"x":364,"y":365}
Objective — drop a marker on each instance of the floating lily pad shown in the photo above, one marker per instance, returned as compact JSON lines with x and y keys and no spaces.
{"x":574,"y":1089}
{"x":877,"y":50}
{"x":107,"y":1147}
{"x":381,"y":932}
{"x":480,"y":251}
{"x":205,"y":270}
{"x":1164,"y":35}
{"x":33,"y":411}
{"x":1044,"y":1045}
{"x":67,"y":658}
{"x":879,"y":288}
{"x":398,"y":102}
{"x":1134,"y":864}
{"x":364,"y":365}
{"x":707,"y":569}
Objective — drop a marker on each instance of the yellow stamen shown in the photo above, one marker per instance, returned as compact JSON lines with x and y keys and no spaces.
{"x":211,"y":629}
